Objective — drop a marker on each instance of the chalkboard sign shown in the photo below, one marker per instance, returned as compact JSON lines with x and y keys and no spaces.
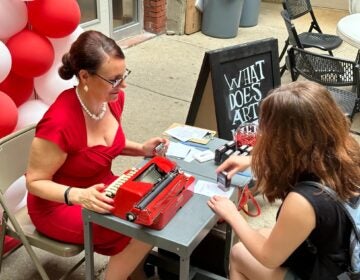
{"x":231,"y":84}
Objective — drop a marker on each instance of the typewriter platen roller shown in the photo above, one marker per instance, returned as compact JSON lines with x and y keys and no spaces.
{"x":152,"y":195}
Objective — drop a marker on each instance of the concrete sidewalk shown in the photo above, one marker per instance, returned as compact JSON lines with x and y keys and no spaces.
{"x":160,"y":88}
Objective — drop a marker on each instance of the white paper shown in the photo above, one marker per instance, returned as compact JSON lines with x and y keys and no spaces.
{"x":185,"y":133}
{"x":190,"y":155}
{"x":209,"y":189}
{"x":178,"y":150}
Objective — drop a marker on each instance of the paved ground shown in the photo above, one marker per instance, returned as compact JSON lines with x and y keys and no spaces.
{"x":160,"y":88}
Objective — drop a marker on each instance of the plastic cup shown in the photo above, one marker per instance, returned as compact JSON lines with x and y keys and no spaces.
{"x":245,"y":134}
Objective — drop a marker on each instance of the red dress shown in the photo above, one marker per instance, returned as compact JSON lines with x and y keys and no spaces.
{"x":64,"y":125}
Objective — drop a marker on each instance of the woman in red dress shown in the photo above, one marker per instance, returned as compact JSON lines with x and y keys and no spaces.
{"x":73,"y":148}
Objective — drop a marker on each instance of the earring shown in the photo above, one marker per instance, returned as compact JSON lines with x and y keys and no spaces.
{"x":86,"y":88}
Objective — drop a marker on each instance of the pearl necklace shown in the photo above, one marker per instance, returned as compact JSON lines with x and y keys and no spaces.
{"x":87,"y":111}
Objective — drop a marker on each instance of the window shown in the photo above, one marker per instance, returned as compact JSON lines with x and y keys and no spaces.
{"x":88,"y":10}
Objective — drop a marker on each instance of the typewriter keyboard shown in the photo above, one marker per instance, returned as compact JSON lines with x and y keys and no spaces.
{"x":111,"y":190}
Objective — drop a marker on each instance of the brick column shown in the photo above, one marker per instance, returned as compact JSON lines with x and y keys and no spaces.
{"x":155,"y":16}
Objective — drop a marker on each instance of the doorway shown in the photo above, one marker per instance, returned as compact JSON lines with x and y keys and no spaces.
{"x":126,"y":18}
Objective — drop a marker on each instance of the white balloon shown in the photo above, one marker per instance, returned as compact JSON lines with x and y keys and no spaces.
{"x":50,"y":85}
{"x":13,"y":17}
{"x":5,"y":61}
{"x":30,"y":112}
{"x":16,"y":195}
{"x":62,"y":45}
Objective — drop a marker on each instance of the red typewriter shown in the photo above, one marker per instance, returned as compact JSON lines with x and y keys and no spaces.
{"x":151,"y":195}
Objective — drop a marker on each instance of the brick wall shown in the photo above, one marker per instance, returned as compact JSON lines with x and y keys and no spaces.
{"x":155,"y":16}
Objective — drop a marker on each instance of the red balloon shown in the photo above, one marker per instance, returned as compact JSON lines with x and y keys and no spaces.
{"x":17,"y":87}
{"x":32,"y":54}
{"x":8,"y":115}
{"x":54,"y":18}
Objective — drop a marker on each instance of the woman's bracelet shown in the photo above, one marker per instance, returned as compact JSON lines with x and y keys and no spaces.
{"x":66,"y":198}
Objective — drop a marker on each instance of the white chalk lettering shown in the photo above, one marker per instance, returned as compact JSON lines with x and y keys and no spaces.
{"x":256,"y":88}
{"x":245,"y":114}
{"x":244,"y":92}
{"x":261,"y":71}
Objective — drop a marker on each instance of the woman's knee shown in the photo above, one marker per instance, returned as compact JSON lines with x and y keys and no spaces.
{"x":140,"y":245}
{"x":238,"y":253}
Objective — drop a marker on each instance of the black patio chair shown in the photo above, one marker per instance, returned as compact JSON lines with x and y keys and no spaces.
{"x":329,"y":71}
{"x":299,"y":8}
{"x":294,"y":9}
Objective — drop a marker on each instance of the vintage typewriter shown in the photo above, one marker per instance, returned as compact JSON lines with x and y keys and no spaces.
{"x":151,"y":195}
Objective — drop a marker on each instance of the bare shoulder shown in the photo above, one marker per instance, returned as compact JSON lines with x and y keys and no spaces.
{"x":294,"y":224}
{"x":297,"y":209}
{"x":45,"y":154}
{"x":42,"y":145}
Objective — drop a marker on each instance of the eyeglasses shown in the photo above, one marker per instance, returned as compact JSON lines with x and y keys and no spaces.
{"x":116,"y":82}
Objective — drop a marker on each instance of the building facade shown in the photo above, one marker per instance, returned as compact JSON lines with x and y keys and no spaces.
{"x":121,"y":19}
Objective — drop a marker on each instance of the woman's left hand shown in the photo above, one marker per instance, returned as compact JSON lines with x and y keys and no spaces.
{"x":150,"y":145}
{"x":223,"y":206}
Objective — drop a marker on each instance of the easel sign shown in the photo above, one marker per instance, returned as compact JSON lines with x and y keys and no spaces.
{"x":231,"y":84}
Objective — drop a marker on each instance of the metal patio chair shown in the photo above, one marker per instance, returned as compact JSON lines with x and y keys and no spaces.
{"x":294,"y":9}
{"x":329,"y":71}
{"x":14,"y":151}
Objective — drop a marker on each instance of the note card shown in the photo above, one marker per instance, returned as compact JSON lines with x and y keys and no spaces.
{"x":178,"y":150}
{"x":209,"y":189}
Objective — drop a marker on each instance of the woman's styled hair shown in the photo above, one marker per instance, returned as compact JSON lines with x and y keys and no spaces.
{"x":88,"y":52}
{"x":302,"y":130}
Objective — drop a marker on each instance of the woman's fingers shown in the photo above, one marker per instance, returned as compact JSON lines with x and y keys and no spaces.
{"x":95,"y":199}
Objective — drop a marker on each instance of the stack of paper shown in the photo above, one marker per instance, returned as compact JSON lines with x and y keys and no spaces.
{"x":186,"y":133}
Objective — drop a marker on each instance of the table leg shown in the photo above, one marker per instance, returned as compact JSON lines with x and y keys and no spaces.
{"x":89,"y":250}
{"x":184,"y":268}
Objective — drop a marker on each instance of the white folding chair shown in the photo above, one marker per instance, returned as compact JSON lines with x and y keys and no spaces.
{"x":14,"y":152}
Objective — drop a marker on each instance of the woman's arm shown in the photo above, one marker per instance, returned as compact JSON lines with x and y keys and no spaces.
{"x":45,"y":159}
{"x":295,"y":223}
{"x":234,"y":164}
{"x":145,"y":149}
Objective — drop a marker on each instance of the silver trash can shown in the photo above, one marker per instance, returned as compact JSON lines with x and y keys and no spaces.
{"x":221,"y":18}
{"x":250,"y":13}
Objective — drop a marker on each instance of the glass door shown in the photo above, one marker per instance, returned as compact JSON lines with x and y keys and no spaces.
{"x":126,"y":18}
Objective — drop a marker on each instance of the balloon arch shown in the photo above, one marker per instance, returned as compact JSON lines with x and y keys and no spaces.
{"x":33,"y":37}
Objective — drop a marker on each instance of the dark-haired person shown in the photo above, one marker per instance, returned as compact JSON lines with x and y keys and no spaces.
{"x":74,"y":145}
{"x":303,"y":136}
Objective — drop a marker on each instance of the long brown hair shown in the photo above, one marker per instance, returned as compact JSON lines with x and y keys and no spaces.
{"x":302,"y":130}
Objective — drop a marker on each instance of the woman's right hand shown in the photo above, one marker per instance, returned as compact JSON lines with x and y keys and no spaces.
{"x":234,"y":164}
{"x":92,"y":198}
